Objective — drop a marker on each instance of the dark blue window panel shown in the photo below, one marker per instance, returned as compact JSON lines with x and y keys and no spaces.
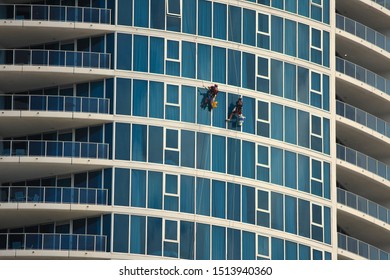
{"x":303,"y":129}
{"x":327,"y":226}
{"x":202,"y":241}
{"x":122,"y":187}
{"x":303,"y":41}
{"x":156,"y":55}
{"x":219,"y":153}
{"x":277,"y":121}
{"x":187,"y":194}
{"x":290,"y":43}
{"x":248,"y":246}
{"x":248,"y":205}
{"x":250,"y":114}
{"x":277,"y":210}
{"x":234,"y":68}
{"x":304,"y":218}
{"x":248,"y":159}
{"x":125,"y":12}
{"x":218,"y":199}
{"x":219,"y":116}
{"x":233,"y":201}
{"x":291,"y":6}
{"x":233,"y":244}
{"x":155,"y":190}
{"x":123,"y":96}
{"x":276,"y":74}
{"x":204,"y":62}
{"x":141,"y":13}
{"x":219,"y":243}
{"x":187,"y":240}
{"x":219,"y":21}
{"x":141,"y":48}
{"x":317,"y":255}
{"x":155,"y":144}
{"x":290,"y":124}
{"x":121,"y":233}
{"x":248,"y":71}
{"x":277,"y":28}
{"x":124,"y":43}
{"x":188,"y":59}
{"x":171,"y":230}
{"x":303,"y":7}
{"x":303,"y":85}
{"x":262,"y":245}
{"x":122,"y":141}
{"x":154,"y":239}
{"x":290,"y":81}
{"x":203,"y":151}
{"x":156,"y":100}
{"x":137,"y":235}
{"x":203,"y":196}
{"x":290,"y":214}
{"x":219,"y":65}
{"x":189,"y":16}
{"x":138,"y":188}
{"x":157,"y":15}
{"x":249,"y":27}
{"x":304,"y":252}
{"x":233,"y":156}
{"x":277,"y":249}
{"x":291,"y":250}
{"x":139,"y":142}
{"x":204,"y":18}
{"x":234,"y":26}
{"x":290,"y":170}
{"x":277,"y":4}
{"x":304,"y":173}
{"x":277,"y":166}
{"x":188,"y":99}
{"x":188,"y":148}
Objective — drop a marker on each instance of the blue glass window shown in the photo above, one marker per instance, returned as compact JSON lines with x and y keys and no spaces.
{"x":263,"y":246}
{"x":121,"y":233}
{"x":204,"y":18}
{"x":157,"y":16}
{"x":155,"y":189}
{"x":141,"y":13}
{"x":219,"y":21}
{"x":248,"y":205}
{"x":141,"y":48}
{"x":187,"y":194}
{"x":173,"y":58}
{"x":234,"y":66}
{"x":218,"y":199}
{"x":263,"y":31}
{"x":187,"y":240}
{"x":204,"y":62}
{"x":219,"y":154}
{"x":263,"y":75}
{"x":124,"y":43}
{"x":122,"y":141}
{"x":248,"y":246}
{"x":155,"y":144}
{"x":218,"y":243}
{"x":277,"y":249}
{"x":203,"y":151}
{"x":233,"y":244}
{"x":154,"y":236}
{"x":277,"y":28}
{"x":122,"y":187}
{"x":125,"y":11}
{"x":203,"y":196}
{"x":234,"y":201}
{"x":188,"y":59}
{"x":249,"y":27}
{"x":188,"y":99}
{"x":202,"y":241}
{"x":234,"y":26}
{"x":290,"y":214}
{"x":189,"y":16}
{"x":248,"y":70}
{"x":137,"y":235}
{"x":123,"y":96}
{"x":219,"y":65}
{"x":234,"y":156}
{"x":188,"y":151}
{"x":156,"y":100}
{"x":138,"y":188}
{"x":156,"y":60}
{"x":139,"y":140}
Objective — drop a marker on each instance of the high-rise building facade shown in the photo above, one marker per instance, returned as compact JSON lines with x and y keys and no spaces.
{"x":111,"y":149}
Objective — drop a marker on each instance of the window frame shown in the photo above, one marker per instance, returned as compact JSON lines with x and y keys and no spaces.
{"x":173,"y":14}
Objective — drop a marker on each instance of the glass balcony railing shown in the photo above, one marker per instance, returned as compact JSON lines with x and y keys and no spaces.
{"x":55,"y":13}
{"x":360,"y":248}
{"x":354,"y":114}
{"x":384,"y":3}
{"x":55,"y":58}
{"x":363,"y":161}
{"x":363,"y":205}
{"x":363,"y":32}
{"x":38,"y":148}
{"x":60,"y":195}
{"x":54,"y":103}
{"x":366,"y":76}
{"x":52,"y":241}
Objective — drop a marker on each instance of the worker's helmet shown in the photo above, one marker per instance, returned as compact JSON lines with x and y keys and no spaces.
{"x":216,"y":85}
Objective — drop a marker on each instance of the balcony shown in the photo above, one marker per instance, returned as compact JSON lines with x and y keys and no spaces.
{"x":357,"y":247}
{"x":47,"y":158}
{"x":25,"y":24}
{"x":362,"y":88}
{"x":24,"y":245}
{"x":30,"y":205}
{"x":31,"y":114}
{"x":363,"y":175}
{"x":25,"y":69}
{"x":361,"y":127}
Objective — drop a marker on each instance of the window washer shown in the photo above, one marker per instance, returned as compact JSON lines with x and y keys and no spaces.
{"x":212,"y":92}
{"x":237,"y":112}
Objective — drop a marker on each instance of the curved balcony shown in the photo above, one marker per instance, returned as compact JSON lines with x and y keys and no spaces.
{"x":383,"y":3}
{"x":32,"y":114}
{"x":366,"y":47}
{"x":356,"y":171}
{"x":376,"y":132}
{"x":355,"y":212}
{"x":48,"y":158}
{"x":357,"y":247}
{"x":50,"y":244}
{"x":363,"y":205}
{"x":26,"y":24}
{"x":365,"y":90}
{"x":25,"y":69}
{"x":25,"y":205}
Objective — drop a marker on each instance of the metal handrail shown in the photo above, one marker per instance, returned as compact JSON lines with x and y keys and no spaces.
{"x":34,"y":148}
{"x":361,"y":248}
{"x":363,"y":205}
{"x":363,"y":161}
{"x":357,"y":115}
{"x":55,"y":13}
{"x":363,"y":32}
{"x":60,"y":58}
{"x":52,"y":194}
{"x":53,"y":241}
{"x":363,"y":75}
{"x":54,"y":103}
